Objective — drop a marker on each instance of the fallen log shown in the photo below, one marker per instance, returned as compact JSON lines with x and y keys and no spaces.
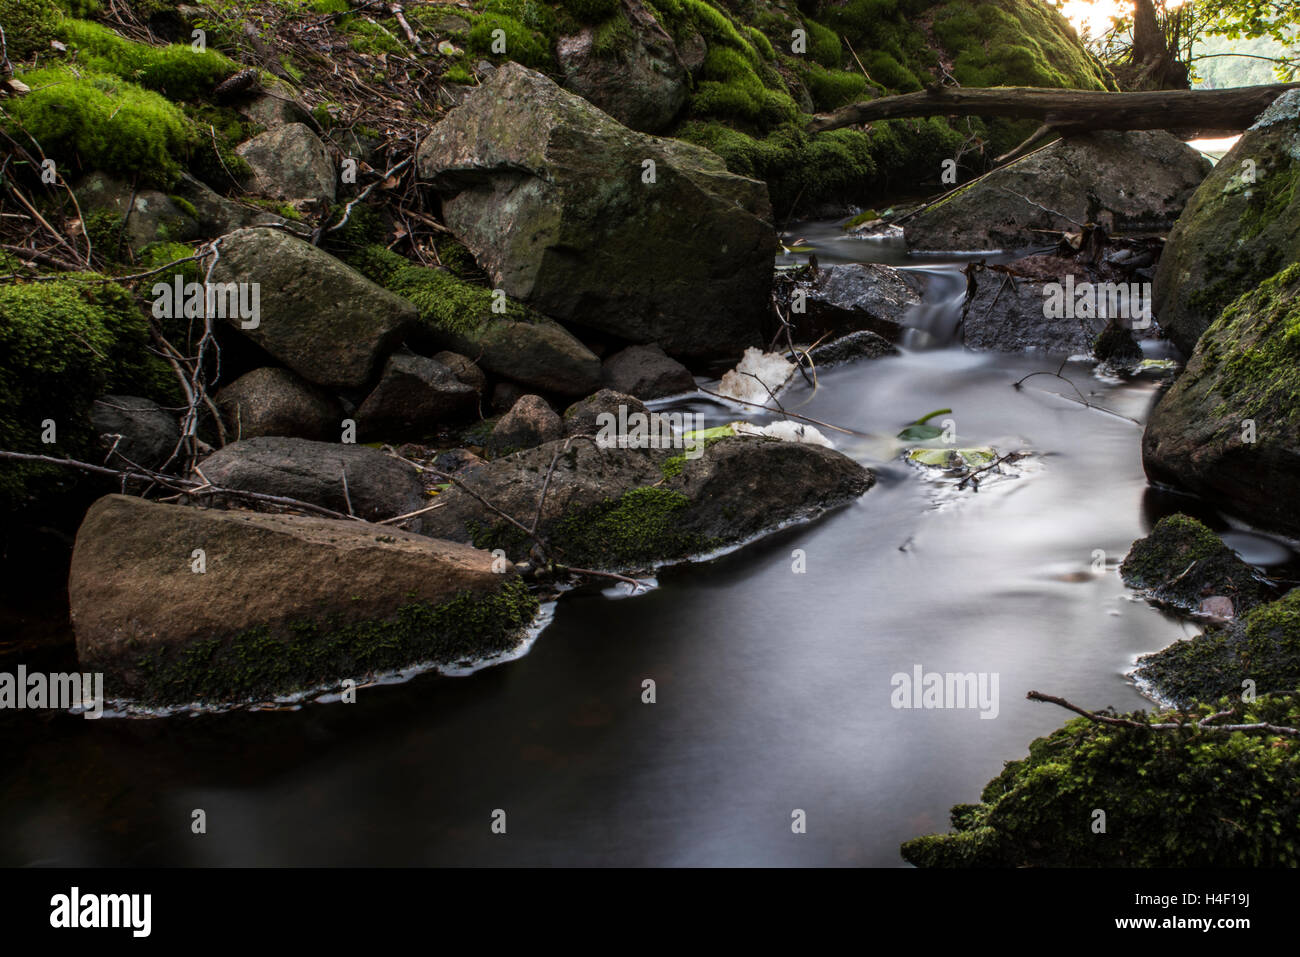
{"x":1071,"y":111}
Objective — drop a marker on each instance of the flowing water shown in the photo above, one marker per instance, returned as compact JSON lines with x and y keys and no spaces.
{"x":773,"y":688}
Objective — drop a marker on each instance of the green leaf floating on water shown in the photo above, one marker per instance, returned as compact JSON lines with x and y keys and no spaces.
{"x":918,"y":431}
{"x":975,"y":458}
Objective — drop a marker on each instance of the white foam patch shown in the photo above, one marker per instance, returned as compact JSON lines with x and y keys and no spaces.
{"x":757,"y":377}
{"x":785,"y":430}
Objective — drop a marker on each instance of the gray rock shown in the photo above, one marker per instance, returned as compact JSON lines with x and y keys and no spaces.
{"x":1125,"y":182}
{"x":1234,"y":233}
{"x":274,"y":401}
{"x":851,"y":297}
{"x":541,"y":354}
{"x":646,"y":372}
{"x":286,"y":602}
{"x":319,"y":317}
{"x":581,"y":417}
{"x":529,"y":423}
{"x":149,"y":433}
{"x":850,"y":348}
{"x":378,"y":485}
{"x":290,"y":163}
{"x":151,"y":216}
{"x":218,"y":215}
{"x":639,"y":79}
{"x":414,"y":395}
{"x":627,"y":508}
{"x":277,"y":106}
{"x":547,"y":192}
{"x":463,"y":368}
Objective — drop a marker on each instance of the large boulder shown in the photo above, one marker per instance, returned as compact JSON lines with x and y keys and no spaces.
{"x":554,"y":199}
{"x":378,"y":485}
{"x":1239,"y":228}
{"x":414,"y":395}
{"x":291,"y":163}
{"x":635,"y":75}
{"x":1229,"y":427}
{"x":623,"y":508}
{"x":852,"y":297}
{"x":274,"y":401}
{"x":280,"y":603}
{"x":1124,"y":182}
{"x":319,"y":317}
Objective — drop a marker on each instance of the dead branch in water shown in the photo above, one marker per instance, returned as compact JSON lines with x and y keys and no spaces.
{"x":1200,"y":724}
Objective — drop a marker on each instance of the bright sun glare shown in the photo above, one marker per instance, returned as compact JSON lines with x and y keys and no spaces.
{"x":1094,"y":16}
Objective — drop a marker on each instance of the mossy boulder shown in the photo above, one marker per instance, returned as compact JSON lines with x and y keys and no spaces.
{"x":1184,"y":798}
{"x":505,"y":337}
{"x":284,"y":602}
{"x":322,"y":319}
{"x":591,"y":223}
{"x":62,"y":344}
{"x":1125,"y":182}
{"x":627,"y":508}
{"x":142,"y":216}
{"x":628,"y":66}
{"x":1239,"y":228}
{"x":1182,"y":562}
{"x":1259,"y":653}
{"x":1229,"y":427}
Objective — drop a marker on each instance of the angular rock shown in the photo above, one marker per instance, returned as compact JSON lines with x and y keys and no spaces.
{"x":277,"y":106}
{"x":542,"y":354}
{"x":638,"y":79}
{"x":646,"y":372}
{"x":1123,"y":181}
{"x":319,"y":317}
{"x":850,"y":348}
{"x":149,"y":433}
{"x":285,"y":602}
{"x":581,"y":417}
{"x":218,"y":215}
{"x":548,"y":194}
{"x":291,"y":163}
{"x":631,"y":508}
{"x":274,"y":401}
{"x":463,"y":368}
{"x":378,"y":485}
{"x":151,"y":216}
{"x":1182,"y":562}
{"x":1229,"y":428}
{"x":413,"y":396}
{"x":852,"y":297}
{"x":529,"y":423}
{"x":1239,"y":228}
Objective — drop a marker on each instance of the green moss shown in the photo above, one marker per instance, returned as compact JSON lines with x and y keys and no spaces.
{"x":371,"y":38}
{"x":62,"y":344}
{"x":760,"y":43}
{"x":1182,"y":561}
{"x":866,"y":216}
{"x":29,"y":26}
{"x":1171,"y":799}
{"x":446,"y":304}
{"x":458,"y":74}
{"x":258,"y":664}
{"x":103,"y":122}
{"x":639,"y":527}
{"x":177,"y":71}
{"x":823,"y":44}
{"x":528,"y":28}
{"x":1253,"y":349}
{"x":832,"y":88}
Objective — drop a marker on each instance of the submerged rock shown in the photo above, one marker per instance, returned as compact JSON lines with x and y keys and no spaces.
{"x":648,"y":239}
{"x":1240,"y":227}
{"x":1182,"y":562}
{"x":1123,"y":181}
{"x":1229,"y":427}
{"x":284,"y":602}
{"x":378,"y":485}
{"x":850,"y":348}
{"x":852,"y":297}
{"x":631,"y":508}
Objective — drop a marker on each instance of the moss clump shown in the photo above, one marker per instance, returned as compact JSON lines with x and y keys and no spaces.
{"x":447,"y":304}
{"x":178,"y":71}
{"x":527,"y":27}
{"x":62,"y":344}
{"x":639,"y":527}
{"x":258,"y":664}
{"x":1172,"y":799}
{"x":1253,"y":350}
{"x":823,"y":44}
{"x":1264,"y":647}
{"x":730,"y":87}
{"x":832,"y":88}
{"x":29,"y":26}
{"x":1182,"y":561}
{"x":103,"y":122}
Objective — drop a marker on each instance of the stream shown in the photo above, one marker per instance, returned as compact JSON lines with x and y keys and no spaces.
{"x":773,"y":688}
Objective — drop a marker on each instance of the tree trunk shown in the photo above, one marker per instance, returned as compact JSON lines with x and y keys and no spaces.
{"x":1072,"y":111}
